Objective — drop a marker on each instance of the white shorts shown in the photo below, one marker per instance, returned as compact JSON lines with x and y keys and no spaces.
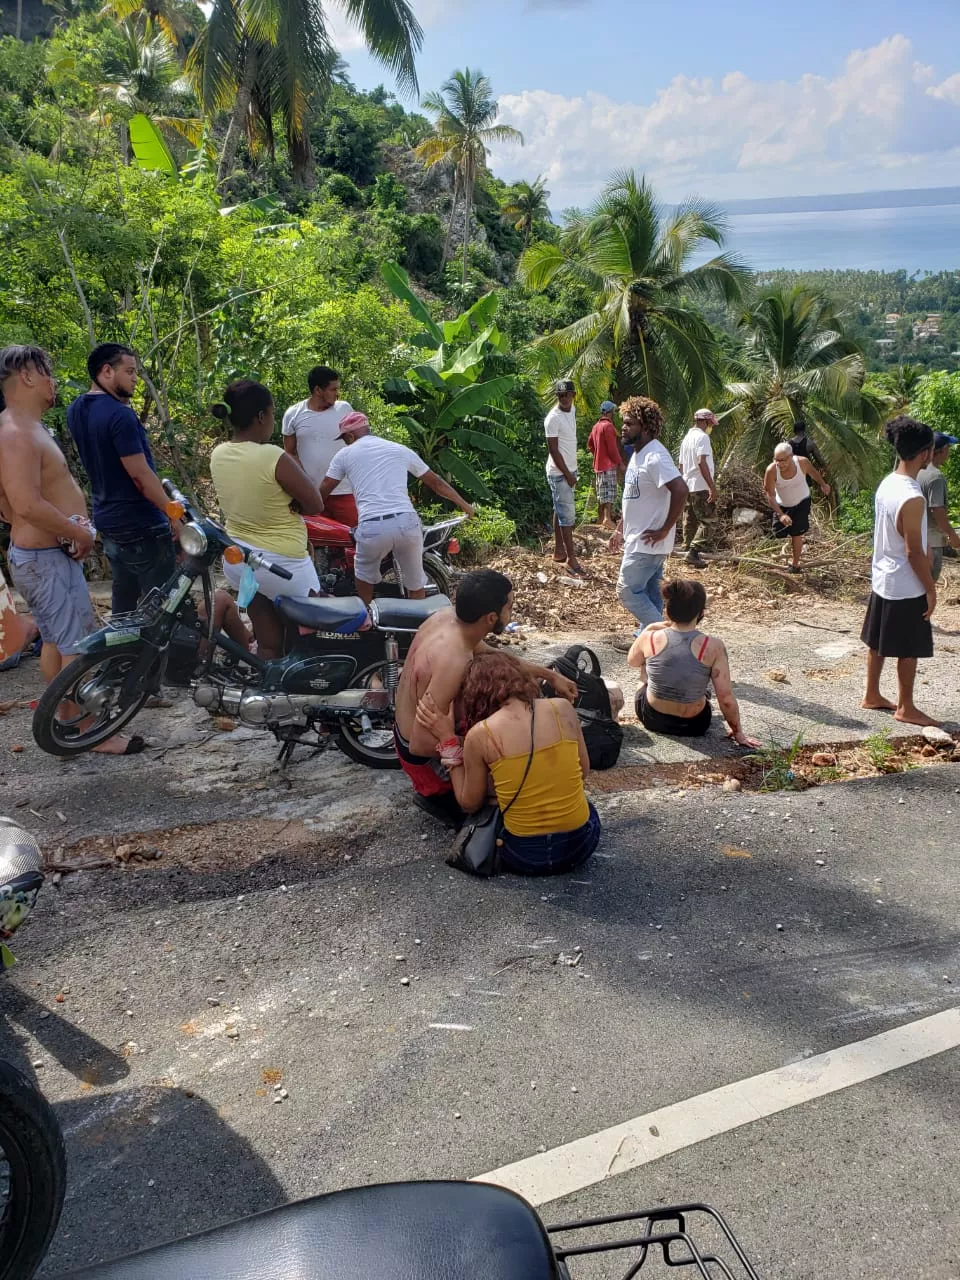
{"x":402,"y":535}
{"x":304,"y":578}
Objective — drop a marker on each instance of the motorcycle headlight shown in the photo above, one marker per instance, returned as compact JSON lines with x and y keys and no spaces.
{"x":193,"y":541}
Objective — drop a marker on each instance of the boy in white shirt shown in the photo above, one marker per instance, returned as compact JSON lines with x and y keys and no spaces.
{"x":387,"y":523}
{"x":310,"y":435}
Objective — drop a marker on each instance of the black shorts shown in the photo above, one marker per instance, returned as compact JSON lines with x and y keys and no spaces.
{"x":674,"y":726}
{"x":799,"y":521}
{"x":897,"y":628}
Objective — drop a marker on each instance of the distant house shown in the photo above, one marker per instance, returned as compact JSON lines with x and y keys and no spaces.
{"x":891,"y":318}
{"x":886,"y":344}
{"x":928,"y":327}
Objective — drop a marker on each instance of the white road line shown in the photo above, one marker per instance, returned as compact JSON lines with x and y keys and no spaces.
{"x":640,"y":1141}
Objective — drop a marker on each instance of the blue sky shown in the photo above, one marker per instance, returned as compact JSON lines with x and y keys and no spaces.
{"x":728,"y":100}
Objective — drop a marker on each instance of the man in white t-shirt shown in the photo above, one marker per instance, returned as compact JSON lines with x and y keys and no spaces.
{"x":654,"y":494}
{"x":310,"y":435}
{"x":904,"y":593}
{"x":698,"y":469}
{"x":560,"y":427}
{"x":387,"y":524}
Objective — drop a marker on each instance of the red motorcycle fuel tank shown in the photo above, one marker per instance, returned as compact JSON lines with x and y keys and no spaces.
{"x":324,"y":532}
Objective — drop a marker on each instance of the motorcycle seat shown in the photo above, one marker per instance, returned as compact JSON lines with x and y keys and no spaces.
{"x":406,"y":615}
{"x":400,"y":1231}
{"x":345,"y":614}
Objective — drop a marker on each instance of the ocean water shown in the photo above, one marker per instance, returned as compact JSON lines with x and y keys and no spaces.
{"x":920,"y":238}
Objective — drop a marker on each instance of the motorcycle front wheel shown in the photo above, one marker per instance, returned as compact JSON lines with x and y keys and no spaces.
{"x":33,"y":1174}
{"x":86,"y":703}
{"x":374,"y":747}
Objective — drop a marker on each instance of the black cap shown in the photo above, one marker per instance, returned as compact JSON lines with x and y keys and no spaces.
{"x":564,"y":387}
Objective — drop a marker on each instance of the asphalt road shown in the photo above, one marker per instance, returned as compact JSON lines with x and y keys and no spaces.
{"x":187,"y":997}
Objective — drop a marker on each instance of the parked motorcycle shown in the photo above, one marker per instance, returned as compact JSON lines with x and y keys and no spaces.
{"x":337,"y":682}
{"x":453,"y":1230}
{"x":32,"y":1163}
{"x":334,"y":548}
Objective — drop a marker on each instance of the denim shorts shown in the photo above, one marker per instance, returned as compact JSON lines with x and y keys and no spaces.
{"x":563,"y":501}
{"x":551,"y":855}
{"x":56,"y":593}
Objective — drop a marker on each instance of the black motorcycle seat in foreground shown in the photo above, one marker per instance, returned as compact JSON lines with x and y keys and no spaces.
{"x":401,"y":1231}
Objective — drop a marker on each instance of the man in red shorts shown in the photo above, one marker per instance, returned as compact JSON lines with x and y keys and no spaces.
{"x":436,"y":664}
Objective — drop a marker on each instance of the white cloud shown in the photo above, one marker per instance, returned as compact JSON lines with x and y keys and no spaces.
{"x":884,"y":121}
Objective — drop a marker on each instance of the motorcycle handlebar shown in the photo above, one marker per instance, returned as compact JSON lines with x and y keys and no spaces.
{"x":261,"y":562}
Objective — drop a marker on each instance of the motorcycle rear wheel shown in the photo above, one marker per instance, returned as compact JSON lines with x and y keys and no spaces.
{"x":352,"y":732}
{"x":33,"y":1175}
{"x":93,"y":683}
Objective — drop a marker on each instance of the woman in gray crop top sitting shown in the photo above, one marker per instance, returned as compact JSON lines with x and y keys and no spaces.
{"x":678,"y":663}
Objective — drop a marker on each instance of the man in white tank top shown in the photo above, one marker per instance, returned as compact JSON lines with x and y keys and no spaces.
{"x":904,"y":594}
{"x":787,"y":490}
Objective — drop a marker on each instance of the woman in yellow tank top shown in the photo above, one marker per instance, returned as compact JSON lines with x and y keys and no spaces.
{"x":550,"y":826}
{"x":262,"y":492}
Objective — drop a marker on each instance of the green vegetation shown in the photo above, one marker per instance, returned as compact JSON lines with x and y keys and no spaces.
{"x":208,"y":186}
{"x":776,"y":764}
{"x":797,"y":363}
{"x":880,"y":750}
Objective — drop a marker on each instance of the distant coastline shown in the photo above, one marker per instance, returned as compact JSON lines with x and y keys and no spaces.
{"x":907,"y":198}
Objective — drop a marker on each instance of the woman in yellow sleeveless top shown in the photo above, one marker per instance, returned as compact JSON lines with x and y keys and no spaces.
{"x":262,"y":492}
{"x":550,"y":826}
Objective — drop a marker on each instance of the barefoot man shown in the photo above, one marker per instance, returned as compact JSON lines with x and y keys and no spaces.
{"x":47,"y":513}
{"x":435,"y":665}
{"x":904,"y":595}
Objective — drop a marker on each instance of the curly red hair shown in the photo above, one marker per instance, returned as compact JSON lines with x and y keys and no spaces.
{"x":492,"y":679}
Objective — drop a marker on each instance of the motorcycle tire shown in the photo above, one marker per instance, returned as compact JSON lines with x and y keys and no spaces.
{"x":349,"y":736}
{"x":48,"y":732}
{"x":33,"y":1166}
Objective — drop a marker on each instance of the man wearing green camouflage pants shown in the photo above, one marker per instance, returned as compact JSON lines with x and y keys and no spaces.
{"x":697,"y":469}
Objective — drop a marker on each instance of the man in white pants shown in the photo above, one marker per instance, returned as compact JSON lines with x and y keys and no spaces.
{"x":377,"y":470}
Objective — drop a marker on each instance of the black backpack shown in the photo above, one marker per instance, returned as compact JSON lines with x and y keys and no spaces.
{"x":601,"y":733}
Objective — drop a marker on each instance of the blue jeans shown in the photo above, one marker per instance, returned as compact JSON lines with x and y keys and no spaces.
{"x":138,"y":565}
{"x":638,"y":588}
{"x":564,"y":504}
{"x":551,"y":855}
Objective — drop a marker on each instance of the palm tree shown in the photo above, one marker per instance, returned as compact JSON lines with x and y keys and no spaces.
{"x":798,"y":363}
{"x":466,"y":113}
{"x":257,"y":58}
{"x":179,"y":20}
{"x":644,"y":334}
{"x":526,"y":203}
{"x":149,"y":82}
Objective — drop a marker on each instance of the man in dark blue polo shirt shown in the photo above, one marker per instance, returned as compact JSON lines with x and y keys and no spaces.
{"x":128,"y":498}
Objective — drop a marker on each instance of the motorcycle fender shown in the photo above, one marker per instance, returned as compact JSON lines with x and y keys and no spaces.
{"x":109,"y":638}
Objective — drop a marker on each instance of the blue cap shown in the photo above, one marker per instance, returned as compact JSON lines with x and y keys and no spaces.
{"x":607,"y":406}
{"x":941,"y":440}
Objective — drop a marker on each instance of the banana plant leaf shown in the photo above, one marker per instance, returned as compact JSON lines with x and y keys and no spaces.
{"x":149,"y":148}
{"x":489,"y":444}
{"x":473,"y":399}
{"x":398,"y":282}
{"x":463,"y":473}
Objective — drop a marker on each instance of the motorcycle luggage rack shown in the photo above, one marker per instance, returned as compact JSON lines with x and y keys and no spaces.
{"x":147,"y":611}
{"x":676,"y":1247}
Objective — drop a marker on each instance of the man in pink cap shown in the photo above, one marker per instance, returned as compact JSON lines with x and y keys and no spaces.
{"x":697,"y":469}
{"x":377,"y":470}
